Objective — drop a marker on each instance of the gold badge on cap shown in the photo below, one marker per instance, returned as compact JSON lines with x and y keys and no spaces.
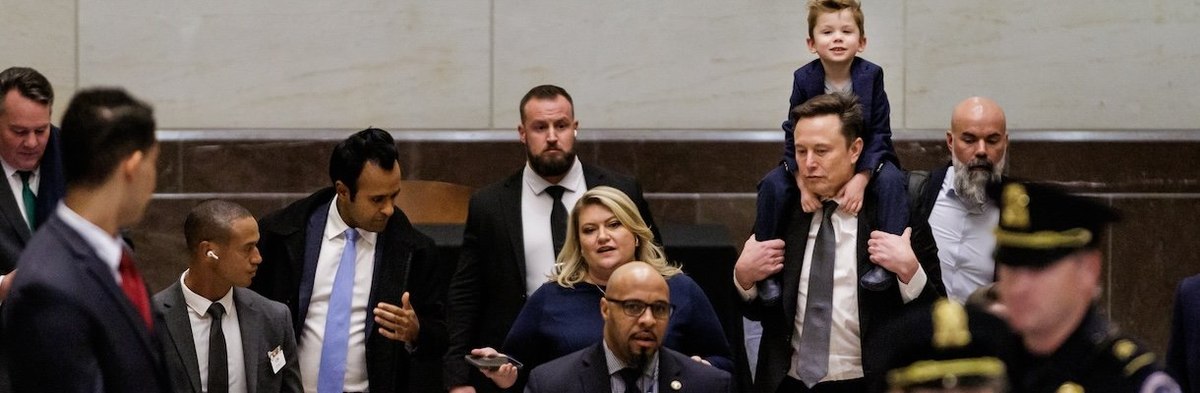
{"x":676,"y":385}
{"x":1070,"y":387}
{"x":1016,"y":207}
{"x":950,"y":325}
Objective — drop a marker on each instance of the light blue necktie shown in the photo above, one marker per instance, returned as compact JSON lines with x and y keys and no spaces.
{"x":337,"y":322}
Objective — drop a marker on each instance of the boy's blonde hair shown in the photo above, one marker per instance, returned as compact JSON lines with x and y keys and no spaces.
{"x":571,"y":268}
{"x":818,"y":7}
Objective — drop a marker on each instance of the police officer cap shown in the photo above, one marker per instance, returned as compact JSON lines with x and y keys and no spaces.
{"x":945,"y":346}
{"x":1040,"y":224}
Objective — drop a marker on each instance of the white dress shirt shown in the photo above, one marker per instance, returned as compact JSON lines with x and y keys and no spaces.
{"x":964,"y":240}
{"x":535,"y":220}
{"x":108,"y":247}
{"x":845,"y":337}
{"x":201,"y":327}
{"x":313,"y":335}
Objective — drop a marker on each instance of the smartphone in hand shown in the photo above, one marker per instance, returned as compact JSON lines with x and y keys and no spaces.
{"x":491,"y":362}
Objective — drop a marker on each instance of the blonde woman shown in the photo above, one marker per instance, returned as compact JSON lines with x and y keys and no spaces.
{"x":604,"y":232}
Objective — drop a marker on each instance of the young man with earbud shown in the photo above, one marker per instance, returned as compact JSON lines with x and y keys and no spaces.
{"x":217,"y":335}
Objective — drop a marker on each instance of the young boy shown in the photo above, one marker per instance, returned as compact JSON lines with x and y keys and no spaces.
{"x":835,"y":34}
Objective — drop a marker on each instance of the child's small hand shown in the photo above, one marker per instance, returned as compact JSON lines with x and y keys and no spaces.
{"x":851,"y":195}
{"x":808,"y":201}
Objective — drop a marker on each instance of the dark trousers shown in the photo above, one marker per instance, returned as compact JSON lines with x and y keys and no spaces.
{"x":792,"y":385}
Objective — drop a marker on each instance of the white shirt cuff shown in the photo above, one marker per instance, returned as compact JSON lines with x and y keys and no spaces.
{"x":913,"y":289}
{"x":747,"y":294}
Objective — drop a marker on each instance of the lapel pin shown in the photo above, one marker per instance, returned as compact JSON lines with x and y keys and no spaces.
{"x":676,"y":385}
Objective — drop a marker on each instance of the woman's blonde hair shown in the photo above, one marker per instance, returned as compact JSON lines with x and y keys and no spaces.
{"x":571,"y":268}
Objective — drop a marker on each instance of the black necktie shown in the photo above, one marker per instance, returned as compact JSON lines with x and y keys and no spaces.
{"x":631,"y":377}
{"x":818,"y":309}
{"x":558,"y":218}
{"x":218,"y":360}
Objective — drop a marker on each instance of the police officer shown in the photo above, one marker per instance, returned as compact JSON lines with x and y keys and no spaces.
{"x":1049,"y":264}
{"x":946,"y":347}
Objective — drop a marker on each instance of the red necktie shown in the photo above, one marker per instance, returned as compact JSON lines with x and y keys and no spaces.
{"x":134,"y":287}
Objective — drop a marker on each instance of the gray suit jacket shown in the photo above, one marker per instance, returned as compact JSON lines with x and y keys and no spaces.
{"x":265,"y":325}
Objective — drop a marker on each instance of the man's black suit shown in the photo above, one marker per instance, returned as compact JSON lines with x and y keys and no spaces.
{"x":404,"y":261}
{"x":875,"y":309}
{"x":14,"y":232}
{"x":488,"y":288}
{"x":586,"y":371}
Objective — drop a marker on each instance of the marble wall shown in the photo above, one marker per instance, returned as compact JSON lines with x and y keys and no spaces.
{"x":269,"y":83}
{"x":700,"y":64}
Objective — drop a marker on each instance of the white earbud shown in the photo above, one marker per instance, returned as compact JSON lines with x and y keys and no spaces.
{"x":212,"y":255}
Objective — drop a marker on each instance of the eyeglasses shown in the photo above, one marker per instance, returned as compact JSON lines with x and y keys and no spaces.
{"x":635,"y":308}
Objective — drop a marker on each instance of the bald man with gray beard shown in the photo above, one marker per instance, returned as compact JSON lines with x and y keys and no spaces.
{"x":954,"y":196}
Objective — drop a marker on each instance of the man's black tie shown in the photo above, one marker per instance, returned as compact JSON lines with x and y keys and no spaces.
{"x":218,"y":360}
{"x":558,"y":218}
{"x":631,"y":377}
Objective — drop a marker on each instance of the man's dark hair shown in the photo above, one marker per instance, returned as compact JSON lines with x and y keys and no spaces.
{"x":843,"y":105}
{"x":544,"y":92}
{"x":211,"y":220}
{"x":370,"y":145}
{"x":28,"y":82}
{"x":101,"y":127}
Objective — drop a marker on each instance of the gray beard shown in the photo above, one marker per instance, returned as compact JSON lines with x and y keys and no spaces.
{"x":971,"y":184}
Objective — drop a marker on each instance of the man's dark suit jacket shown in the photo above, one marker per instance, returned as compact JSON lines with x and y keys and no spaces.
{"x":488,"y":289}
{"x":1183,"y":353}
{"x":404,"y":261}
{"x":264,"y":325}
{"x":875,"y":309}
{"x":928,"y":193}
{"x":586,"y":371}
{"x":14,"y":232}
{"x":70,"y":328}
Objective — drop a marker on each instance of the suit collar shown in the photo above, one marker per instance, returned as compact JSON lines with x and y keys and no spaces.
{"x":510,"y":201}
{"x":252,"y":324}
{"x":87,"y":259}
{"x":200,"y":304}
{"x":594,"y":368}
{"x":179,"y":332}
{"x":104,"y":247}
{"x":12,"y":212}
{"x":670,"y":371}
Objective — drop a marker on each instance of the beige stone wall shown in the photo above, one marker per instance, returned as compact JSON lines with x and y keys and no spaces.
{"x":711,"y":64}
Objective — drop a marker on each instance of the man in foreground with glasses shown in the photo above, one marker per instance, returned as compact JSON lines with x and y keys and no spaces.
{"x":636,"y":310}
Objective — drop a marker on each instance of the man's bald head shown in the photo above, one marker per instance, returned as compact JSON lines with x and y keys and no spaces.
{"x":635,"y":335}
{"x":976,"y":110}
{"x":978,"y":143}
{"x":636,"y":274}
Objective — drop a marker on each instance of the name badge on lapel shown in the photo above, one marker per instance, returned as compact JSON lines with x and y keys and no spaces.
{"x":277,"y":359}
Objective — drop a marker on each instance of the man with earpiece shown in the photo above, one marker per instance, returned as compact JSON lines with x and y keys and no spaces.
{"x":218,"y":336}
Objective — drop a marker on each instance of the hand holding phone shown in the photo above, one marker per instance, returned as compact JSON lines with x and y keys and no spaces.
{"x":491,"y":362}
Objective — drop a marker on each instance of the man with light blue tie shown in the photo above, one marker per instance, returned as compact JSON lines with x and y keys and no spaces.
{"x":366,"y":297}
